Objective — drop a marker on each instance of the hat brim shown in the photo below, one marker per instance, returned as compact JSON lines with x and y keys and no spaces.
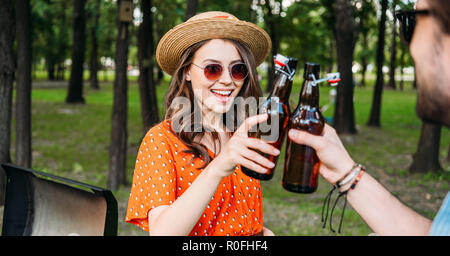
{"x":173,"y":44}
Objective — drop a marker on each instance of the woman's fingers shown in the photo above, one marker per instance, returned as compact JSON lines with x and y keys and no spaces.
{"x":249,"y":123}
{"x":257,"y":158}
{"x":239,"y":148}
{"x":261,"y":146}
{"x":252,"y":165}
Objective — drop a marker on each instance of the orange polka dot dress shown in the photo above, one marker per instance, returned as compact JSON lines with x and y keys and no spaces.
{"x":163,"y":172}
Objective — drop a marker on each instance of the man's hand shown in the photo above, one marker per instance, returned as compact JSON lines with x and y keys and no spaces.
{"x":336,"y":162}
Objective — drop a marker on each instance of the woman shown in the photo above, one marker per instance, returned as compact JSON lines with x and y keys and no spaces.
{"x":188,"y":178}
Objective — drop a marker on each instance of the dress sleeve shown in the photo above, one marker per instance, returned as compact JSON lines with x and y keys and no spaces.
{"x":154,"y":178}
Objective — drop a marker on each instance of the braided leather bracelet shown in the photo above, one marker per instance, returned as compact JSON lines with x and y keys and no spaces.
{"x":356,"y":169}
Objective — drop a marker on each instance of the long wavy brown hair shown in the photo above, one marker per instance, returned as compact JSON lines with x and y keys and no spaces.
{"x":180,"y":87}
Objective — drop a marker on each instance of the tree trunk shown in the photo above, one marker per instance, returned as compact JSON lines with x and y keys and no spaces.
{"x":158,"y":34}
{"x":118,"y":147}
{"x":329,"y":18}
{"x":402,"y":65}
{"x":6,"y":85}
{"x":75,"y":92}
{"x":191,"y":9}
{"x":364,"y":45}
{"x":329,"y":68}
{"x":344,"y":114}
{"x":448,"y":153}
{"x":23,"y":84}
{"x":427,"y":156}
{"x":147,"y":90}
{"x":60,"y":71}
{"x":364,"y":60}
{"x":251,"y":12}
{"x":93,"y":73}
{"x":270,"y":21}
{"x":50,"y":69}
{"x":63,"y":43}
{"x":392,"y":66}
{"x":375,"y":111}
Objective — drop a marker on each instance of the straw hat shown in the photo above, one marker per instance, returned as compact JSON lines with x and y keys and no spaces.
{"x":210,"y":25}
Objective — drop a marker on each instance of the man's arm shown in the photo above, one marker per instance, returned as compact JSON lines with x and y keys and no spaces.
{"x":384,"y":213}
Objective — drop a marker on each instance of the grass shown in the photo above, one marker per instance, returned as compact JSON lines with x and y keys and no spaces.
{"x":73,"y":140}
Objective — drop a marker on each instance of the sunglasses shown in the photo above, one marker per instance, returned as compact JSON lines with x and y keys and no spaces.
{"x":238,"y":71}
{"x":408,"y":22}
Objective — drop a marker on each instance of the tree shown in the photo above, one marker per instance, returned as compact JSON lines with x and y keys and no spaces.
{"x":344,"y":113}
{"x":157,"y":36}
{"x":50,"y":35}
{"x":191,"y":9}
{"x":23,"y":84}
{"x":75,"y":90}
{"x":47,"y":38}
{"x":62,"y":36}
{"x":402,"y":65}
{"x":448,"y":153}
{"x":272,"y":21}
{"x":107,"y":32}
{"x":304,"y":43}
{"x":403,"y":59}
{"x":364,"y":61}
{"x":366,"y":13}
{"x":94,"y":13}
{"x":392,"y":65}
{"x":329,"y":18}
{"x":118,"y":146}
{"x":426,"y":157}
{"x":375,"y":111}
{"x":147,"y":90}
{"x":6,"y":85}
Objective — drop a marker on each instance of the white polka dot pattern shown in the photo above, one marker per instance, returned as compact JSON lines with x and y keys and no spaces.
{"x":163,"y":172}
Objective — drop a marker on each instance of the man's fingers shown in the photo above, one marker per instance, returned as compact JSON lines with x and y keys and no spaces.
{"x":250,"y":122}
{"x":305,"y":138}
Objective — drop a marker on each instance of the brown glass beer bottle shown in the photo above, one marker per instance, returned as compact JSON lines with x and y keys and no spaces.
{"x":273,"y":130}
{"x":301,"y":166}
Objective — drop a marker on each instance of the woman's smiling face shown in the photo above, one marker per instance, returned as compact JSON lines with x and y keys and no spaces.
{"x":216,"y":96}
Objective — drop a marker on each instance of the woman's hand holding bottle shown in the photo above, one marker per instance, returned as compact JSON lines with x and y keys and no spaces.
{"x":240,"y":149}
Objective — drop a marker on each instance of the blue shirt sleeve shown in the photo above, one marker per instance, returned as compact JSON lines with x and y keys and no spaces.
{"x":441,"y":223}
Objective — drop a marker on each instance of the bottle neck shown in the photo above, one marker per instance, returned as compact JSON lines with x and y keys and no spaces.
{"x":282,"y":88}
{"x":309,"y":94}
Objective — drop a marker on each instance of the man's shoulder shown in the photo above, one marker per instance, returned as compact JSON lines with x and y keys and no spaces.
{"x":441,"y":223}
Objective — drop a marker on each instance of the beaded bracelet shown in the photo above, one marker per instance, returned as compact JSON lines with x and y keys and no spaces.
{"x":358,"y":178}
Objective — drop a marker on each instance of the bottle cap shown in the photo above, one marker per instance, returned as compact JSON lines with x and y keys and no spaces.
{"x":281,"y":60}
{"x":285,"y":65}
{"x":311,"y":68}
{"x":292,"y":63}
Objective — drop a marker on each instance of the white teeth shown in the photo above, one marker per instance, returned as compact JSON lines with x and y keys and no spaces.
{"x":224,"y":93}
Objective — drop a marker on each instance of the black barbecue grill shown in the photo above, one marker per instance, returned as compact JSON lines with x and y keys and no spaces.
{"x":40,"y":204}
